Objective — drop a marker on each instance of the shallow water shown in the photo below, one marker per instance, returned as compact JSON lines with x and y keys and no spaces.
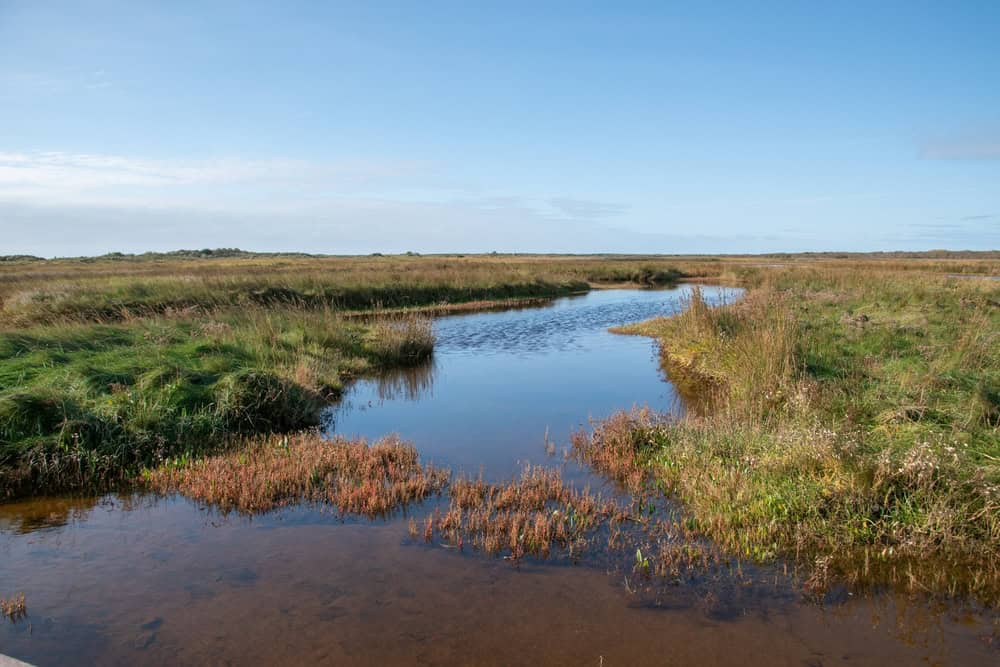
{"x":143,"y":580}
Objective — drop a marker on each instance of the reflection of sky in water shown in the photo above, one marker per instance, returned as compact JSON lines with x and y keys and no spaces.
{"x":501,"y":380}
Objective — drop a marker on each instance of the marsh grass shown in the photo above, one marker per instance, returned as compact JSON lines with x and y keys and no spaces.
{"x":538,"y":515}
{"x":853,"y":428}
{"x":273,"y":471}
{"x":111,"y":291}
{"x":87,"y":405}
{"x":533,"y":515}
{"x":401,"y":341}
{"x":14,"y":608}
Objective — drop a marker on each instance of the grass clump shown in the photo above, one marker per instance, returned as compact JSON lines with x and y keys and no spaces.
{"x":528,"y":516}
{"x":401,"y":341}
{"x":852,"y":427}
{"x":272,"y":471}
{"x":14,"y":608}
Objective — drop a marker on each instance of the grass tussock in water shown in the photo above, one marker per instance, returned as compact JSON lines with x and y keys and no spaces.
{"x":269,"y":472}
{"x":402,"y":341}
{"x":539,"y":515}
{"x":533,"y":515}
{"x":14,"y":608}
{"x":854,"y":428}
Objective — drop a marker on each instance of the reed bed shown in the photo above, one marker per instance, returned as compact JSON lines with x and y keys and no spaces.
{"x":270,"y":472}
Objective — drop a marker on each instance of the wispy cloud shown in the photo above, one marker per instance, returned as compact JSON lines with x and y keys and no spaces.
{"x":60,"y":177}
{"x":583,"y":209}
{"x":982,"y":143}
{"x":18,"y":84}
{"x":348,"y":226}
{"x":94,"y":202}
{"x":979,"y":231}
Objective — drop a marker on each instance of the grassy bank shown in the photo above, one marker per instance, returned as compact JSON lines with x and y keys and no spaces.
{"x":851,"y":423}
{"x":88,"y":404}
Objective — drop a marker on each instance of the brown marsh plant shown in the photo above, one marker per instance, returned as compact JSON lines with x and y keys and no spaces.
{"x":615,"y":447}
{"x":526,"y":516}
{"x":14,"y":608}
{"x":269,"y":472}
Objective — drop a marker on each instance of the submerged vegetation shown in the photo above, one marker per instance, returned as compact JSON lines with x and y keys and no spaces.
{"x":853,"y":427}
{"x":528,"y":516}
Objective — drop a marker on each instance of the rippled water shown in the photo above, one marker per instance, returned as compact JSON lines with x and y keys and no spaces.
{"x":144,"y":580}
{"x":500,"y":381}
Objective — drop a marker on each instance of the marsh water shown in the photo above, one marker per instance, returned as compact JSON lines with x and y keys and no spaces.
{"x":149,"y":580}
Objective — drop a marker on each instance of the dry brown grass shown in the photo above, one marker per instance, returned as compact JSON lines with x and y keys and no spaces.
{"x":615,"y":448}
{"x":14,"y":608}
{"x":401,"y":340}
{"x":351,"y":475}
{"x":528,"y":516}
{"x":116,"y":290}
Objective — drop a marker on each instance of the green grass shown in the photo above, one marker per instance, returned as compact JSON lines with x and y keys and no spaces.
{"x":854,"y":426}
{"x":91,"y":403}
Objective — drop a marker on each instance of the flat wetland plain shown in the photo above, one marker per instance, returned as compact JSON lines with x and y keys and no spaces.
{"x":500,"y":459}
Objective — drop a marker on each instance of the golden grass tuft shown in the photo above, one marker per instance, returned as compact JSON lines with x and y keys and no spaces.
{"x":270,"y":472}
{"x":401,"y":340}
{"x":528,"y":516}
{"x":14,"y":608}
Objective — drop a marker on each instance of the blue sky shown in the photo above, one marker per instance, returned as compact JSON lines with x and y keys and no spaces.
{"x":435,"y":127}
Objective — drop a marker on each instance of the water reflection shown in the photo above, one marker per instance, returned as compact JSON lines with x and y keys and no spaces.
{"x":406,"y":384}
{"x":501,"y":381}
{"x":43,"y":513}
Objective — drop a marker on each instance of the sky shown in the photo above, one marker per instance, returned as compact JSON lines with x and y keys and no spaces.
{"x":351,"y":128}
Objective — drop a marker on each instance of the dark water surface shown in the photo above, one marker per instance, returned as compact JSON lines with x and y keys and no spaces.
{"x":144,"y":580}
